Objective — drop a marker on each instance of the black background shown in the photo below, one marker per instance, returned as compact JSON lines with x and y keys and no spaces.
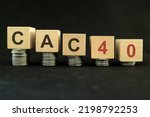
{"x":122,"y":18}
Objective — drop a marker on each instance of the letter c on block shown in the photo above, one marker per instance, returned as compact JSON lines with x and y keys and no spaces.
{"x":70,"y":47}
{"x":14,"y":40}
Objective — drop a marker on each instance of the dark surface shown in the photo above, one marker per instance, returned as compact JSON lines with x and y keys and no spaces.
{"x":87,"y":82}
{"x":122,"y":18}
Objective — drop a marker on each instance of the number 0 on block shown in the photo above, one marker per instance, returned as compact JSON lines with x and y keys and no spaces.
{"x":102,"y":47}
{"x":129,"y":50}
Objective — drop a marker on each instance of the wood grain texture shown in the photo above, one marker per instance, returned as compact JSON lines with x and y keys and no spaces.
{"x":123,"y":48}
{"x":96,"y":42}
{"x":54,"y":36}
{"x":28,"y":37}
{"x":81,"y":44}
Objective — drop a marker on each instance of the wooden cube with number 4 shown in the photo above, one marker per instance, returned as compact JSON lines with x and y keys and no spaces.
{"x":130,"y":50}
{"x":102,"y":47}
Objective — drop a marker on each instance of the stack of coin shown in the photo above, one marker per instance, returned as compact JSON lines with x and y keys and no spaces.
{"x":128,"y":63}
{"x":100,"y":62}
{"x":48,"y":59}
{"x":74,"y":61}
{"x":19,"y":57}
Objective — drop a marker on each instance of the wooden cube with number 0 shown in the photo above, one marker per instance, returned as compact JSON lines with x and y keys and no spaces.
{"x":102,"y":47}
{"x":129,"y":50}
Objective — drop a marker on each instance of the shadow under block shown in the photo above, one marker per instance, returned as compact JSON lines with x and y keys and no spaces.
{"x":129,"y":50}
{"x":74,"y":44}
{"x":102,"y":47}
{"x":20,"y":37}
{"x":47,"y":40}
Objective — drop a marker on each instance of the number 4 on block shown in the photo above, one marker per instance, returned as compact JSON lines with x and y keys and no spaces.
{"x":102,"y":47}
{"x":130,"y":50}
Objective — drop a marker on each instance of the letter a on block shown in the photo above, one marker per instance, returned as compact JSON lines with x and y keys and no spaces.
{"x":47,"y":40}
{"x":20,"y":37}
{"x":74,"y":44}
{"x":102,"y":47}
{"x":129,"y":50}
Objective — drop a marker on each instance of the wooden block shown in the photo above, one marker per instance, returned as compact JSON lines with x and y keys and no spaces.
{"x":102,"y":47}
{"x":20,"y":37}
{"x":74,"y":44}
{"x":47,"y":40}
{"x":129,"y":50}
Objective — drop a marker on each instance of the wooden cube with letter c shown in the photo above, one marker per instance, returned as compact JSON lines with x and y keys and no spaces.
{"x":47,"y":40}
{"x":20,"y":37}
{"x":130,"y":50}
{"x":74,"y":44}
{"x":102,"y":47}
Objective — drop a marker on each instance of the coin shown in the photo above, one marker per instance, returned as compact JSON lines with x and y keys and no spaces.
{"x":100,"y":62}
{"x":74,"y":61}
{"x":128,"y":63}
{"x":19,"y":57}
{"x":48,"y":59}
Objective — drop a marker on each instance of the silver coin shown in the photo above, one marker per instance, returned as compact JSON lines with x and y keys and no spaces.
{"x":100,"y":62}
{"x":74,"y":61}
{"x":128,"y":63}
{"x":48,"y":59}
{"x":19,"y":57}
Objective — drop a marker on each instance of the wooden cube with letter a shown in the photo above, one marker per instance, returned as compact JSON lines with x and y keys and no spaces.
{"x":74,"y":44}
{"x":130,"y":50}
{"x":47,"y":40}
{"x":102,"y":47}
{"x":20,"y":37}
